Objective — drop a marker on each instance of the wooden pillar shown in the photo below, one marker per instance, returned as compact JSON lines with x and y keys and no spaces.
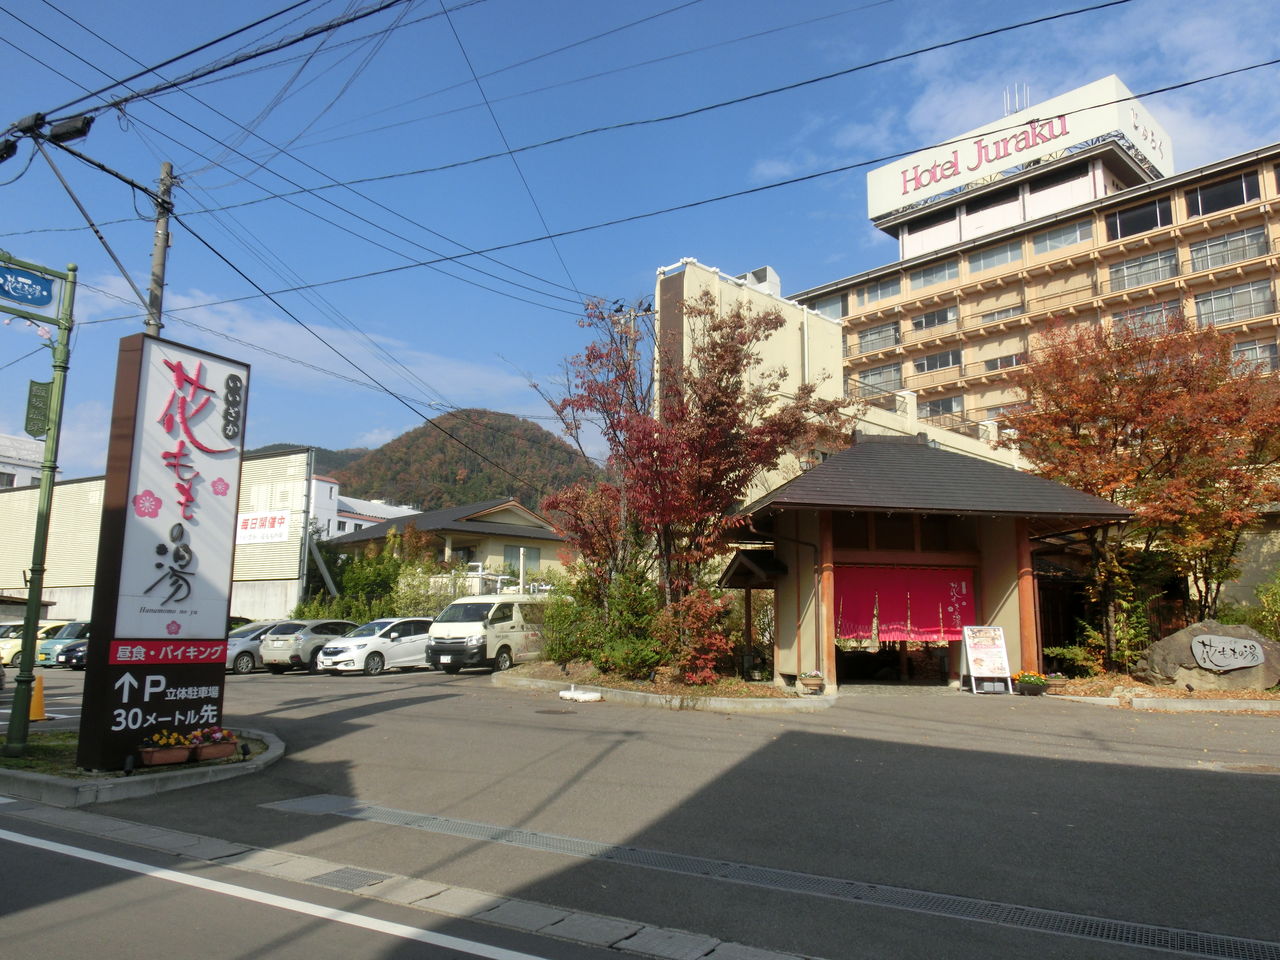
{"x":1028,"y":645}
{"x":825,"y":634}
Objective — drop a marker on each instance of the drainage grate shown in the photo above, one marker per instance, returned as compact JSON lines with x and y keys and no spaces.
{"x":349,"y":878}
{"x":1169,"y":939}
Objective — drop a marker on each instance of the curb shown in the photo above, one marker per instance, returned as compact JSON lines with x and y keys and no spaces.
{"x":68,"y":792}
{"x":634,"y":698}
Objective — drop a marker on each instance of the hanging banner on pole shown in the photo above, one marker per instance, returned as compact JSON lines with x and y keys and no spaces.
{"x":166,"y":548}
{"x":38,"y":396}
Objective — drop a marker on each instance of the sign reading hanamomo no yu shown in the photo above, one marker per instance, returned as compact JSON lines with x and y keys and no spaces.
{"x":180,"y":514}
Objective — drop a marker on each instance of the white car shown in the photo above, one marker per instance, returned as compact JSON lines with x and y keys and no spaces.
{"x":376,"y":645}
{"x":244,"y":643}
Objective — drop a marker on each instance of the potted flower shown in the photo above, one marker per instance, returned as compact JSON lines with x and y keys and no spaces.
{"x":213,"y":743}
{"x":164,"y":747}
{"x":811,"y":680}
{"x":1055,"y":683}
{"x":1029,"y":683}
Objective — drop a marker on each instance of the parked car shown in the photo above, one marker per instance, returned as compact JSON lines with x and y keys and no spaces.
{"x":47,"y":652}
{"x":74,"y":654}
{"x":496,"y":630}
{"x":297,"y":643}
{"x":376,"y":645}
{"x":11,"y":638}
{"x":244,"y":654}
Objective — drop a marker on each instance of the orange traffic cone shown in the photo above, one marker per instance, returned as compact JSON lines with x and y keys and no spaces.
{"x":37,"y":700}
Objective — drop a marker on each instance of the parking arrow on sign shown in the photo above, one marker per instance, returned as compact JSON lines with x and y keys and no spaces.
{"x":124,"y":684}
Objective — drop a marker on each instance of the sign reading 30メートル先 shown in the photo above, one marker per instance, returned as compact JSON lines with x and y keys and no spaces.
{"x":180,"y":517}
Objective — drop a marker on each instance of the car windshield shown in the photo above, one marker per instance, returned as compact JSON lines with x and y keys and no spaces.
{"x":248,"y":630}
{"x":13,"y":630}
{"x":70,"y":630}
{"x":369,"y":629}
{"x":464,"y":613}
{"x":290,"y":626}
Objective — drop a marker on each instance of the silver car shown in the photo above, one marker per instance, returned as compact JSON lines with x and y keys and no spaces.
{"x":243,"y":654}
{"x":297,"y":643}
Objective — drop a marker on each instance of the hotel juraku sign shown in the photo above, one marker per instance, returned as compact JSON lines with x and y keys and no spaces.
{"x":1103,"y":107}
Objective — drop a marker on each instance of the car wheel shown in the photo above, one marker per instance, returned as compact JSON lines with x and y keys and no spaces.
{"x":243,"y":663}
{"x":451,"y":668}
{"x":373,"y":664}
{"x":503,"y":660}
{"x":77,"y":666}
{"x":277,"y":668}
{"x":313,"y":664}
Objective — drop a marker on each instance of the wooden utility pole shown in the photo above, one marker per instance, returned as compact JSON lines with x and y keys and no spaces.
{"x":159,"y":252}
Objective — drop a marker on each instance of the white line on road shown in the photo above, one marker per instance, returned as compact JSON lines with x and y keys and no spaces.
{"x":401,"y":930}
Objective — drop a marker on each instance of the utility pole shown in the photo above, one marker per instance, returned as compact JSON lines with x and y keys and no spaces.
{"x":159,"y":252}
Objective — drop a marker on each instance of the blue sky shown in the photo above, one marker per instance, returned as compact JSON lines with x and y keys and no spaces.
{"x":394,"y":95}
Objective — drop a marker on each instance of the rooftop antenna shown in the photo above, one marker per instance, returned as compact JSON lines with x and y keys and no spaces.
{"x":1017,"y":97}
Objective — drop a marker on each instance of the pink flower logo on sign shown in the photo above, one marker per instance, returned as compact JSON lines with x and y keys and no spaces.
{"x":147,"y":504}
{"x":219,"y":487}
{"x":174,"y":628}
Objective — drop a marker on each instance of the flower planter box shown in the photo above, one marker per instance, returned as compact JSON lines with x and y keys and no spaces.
{"x":214,"y":751}
{"x":160,"y":756}
{"x":1056,"y":686}
{"x":1030,"y":689}
{"x":810,"y":684}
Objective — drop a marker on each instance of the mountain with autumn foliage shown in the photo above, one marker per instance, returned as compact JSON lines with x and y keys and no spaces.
{"x":465,"y":457}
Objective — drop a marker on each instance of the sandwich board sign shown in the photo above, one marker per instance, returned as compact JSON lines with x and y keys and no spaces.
{"x":985,"y":656}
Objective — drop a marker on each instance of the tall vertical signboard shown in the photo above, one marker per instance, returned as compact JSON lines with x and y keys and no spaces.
{"x":165,"y":553}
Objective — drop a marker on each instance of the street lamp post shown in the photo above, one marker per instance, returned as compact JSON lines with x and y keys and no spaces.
{"x":20,"y":715}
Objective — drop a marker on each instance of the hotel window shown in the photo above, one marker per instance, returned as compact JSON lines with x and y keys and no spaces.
{"x":1060,"y":237}
{"x":1242,"y":302}
{"x":879,"y":380}
{"x":1140,"y":219}
{"x":1229,"y":248}
{"x":1223,"y":194}
{"x":872,"y":292}
{"x":941,"y":407}
{"x":878,"y":338}
{"x":1004,"y":313}
{"x":996,"y":198}
{"x":1256,"y":356}
{"x":1008,"y":360}
{"x":1148,"y":320}
{"x":1144,"y":269}
{"x":937,"y":273}
{"x":937,"y":361}
{"x":831,"y":307}
{"x":995,"y":256}
{"x":935,"y":318}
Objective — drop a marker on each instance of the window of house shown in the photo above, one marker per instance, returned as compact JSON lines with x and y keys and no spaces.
{"x":941,"y":407}
{"x":831,"y":307}
{"x":532,"y":557}
{"x":342,"y":525}
{"x":878,"y":380}
{"x":1004,"y":313}
{"x":872,"y":292}
{"x":1145,"y":269}
{"x":1139,"y":219}
{"x":1065,"y":236}
{"x":1150,"y":319}
{"x":936,"y":273}
{"x":935,"y":318}
{"x":1242,"y":302}
{"x":1007,"y":361}
{"x":1231,"y":192}
{"x":1229,"y":248}
{"x":1256,"y":356}
{"x":937,"y":361}
{"x":1010,"y":252}
{"x":7,"y":480}
{"x":878,"y":338}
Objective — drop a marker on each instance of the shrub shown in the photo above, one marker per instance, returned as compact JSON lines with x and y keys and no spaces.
{"x":695,"y":628}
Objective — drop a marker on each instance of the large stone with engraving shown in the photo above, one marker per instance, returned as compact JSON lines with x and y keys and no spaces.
{"x":1212,"y":656}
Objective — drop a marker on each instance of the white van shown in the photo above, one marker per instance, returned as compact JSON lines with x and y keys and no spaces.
{"x":495,"y":630}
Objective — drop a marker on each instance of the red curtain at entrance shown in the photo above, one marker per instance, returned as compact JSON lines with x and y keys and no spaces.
{"x":903,"y":603}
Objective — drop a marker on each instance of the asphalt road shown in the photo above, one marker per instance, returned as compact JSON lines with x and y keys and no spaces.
{"x":893,"y":825}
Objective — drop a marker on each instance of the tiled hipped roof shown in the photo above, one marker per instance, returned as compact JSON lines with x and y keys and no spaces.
{"x":906,"y":476}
